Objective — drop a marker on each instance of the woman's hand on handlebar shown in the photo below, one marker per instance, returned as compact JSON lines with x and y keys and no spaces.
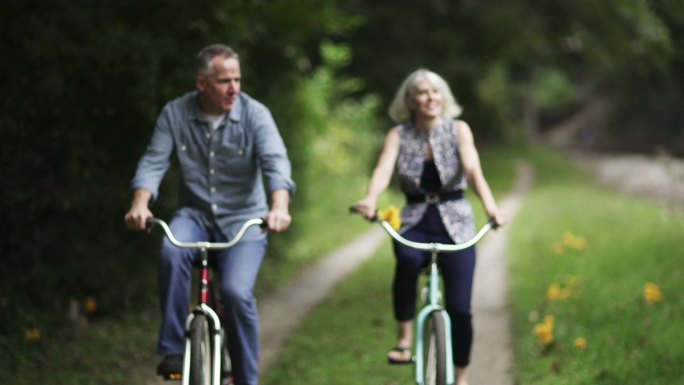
{"x":367,"y":208}
{"x":498,"y":218}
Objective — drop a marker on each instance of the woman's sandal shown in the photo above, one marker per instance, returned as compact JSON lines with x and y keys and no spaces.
{"x":402,"y":351}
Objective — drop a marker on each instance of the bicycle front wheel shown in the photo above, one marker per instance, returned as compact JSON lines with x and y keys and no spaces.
{"x":434,"y":337}
{"x":200,"y":351}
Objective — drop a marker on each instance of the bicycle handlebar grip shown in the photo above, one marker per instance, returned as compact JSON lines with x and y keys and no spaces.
{"x":150,"y":222}
{"x":494,"y":223}
{"x":353,"y":210}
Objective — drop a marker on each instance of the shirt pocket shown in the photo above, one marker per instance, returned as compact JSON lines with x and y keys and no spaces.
{"x":234,"y":158}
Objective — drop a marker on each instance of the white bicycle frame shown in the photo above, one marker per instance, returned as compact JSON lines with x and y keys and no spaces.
{"x":203,"y":308}
{"x":433,"y":303}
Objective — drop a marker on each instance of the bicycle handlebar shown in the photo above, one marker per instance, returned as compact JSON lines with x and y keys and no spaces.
{"x":203,"y":244}
{"x":433,"y":246}
{"x":438,"y":246}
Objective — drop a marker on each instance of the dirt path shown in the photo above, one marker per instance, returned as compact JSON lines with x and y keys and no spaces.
{"x":492,"y":357}
{"x":659,"y":178}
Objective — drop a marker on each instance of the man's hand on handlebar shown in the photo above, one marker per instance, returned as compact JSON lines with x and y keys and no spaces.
{"x":278,"y":220}
{"x":136,"y":218}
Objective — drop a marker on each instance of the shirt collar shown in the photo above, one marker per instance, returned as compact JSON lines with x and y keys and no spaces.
{"x":233,"y":115}
{"x":236,"y":112}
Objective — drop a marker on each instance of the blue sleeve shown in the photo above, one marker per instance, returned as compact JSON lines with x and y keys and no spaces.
{"x":157,"y":158}
{"x":271,"y":152}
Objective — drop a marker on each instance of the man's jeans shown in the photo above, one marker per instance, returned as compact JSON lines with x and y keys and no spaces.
{"x":238,"y":268}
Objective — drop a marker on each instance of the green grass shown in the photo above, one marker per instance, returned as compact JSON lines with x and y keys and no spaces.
{"x":629,"y":243}
{"x":119,"y":351}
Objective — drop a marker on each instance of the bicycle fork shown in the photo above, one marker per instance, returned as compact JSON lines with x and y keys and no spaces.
{"x":216,"y":336}
{"x":433,"y":305}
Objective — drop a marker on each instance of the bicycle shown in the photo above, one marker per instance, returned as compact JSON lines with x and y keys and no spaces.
{"x":205,"y":360}
{"x":433,"y":349}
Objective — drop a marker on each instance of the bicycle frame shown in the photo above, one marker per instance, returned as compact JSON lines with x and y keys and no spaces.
{"x":433,"y":301}
{"x":203,"y":306}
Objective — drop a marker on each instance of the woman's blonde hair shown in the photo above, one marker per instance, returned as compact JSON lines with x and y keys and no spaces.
{"x":399,"y":110}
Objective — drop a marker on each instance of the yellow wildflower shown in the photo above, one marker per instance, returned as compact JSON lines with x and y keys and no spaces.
{"x":579,"y":244}
{"x":90,"y":305}
{"x":553,"y":292}
{"x":32,"y":335}
{"x":573,"y":241}
{"x":581,"y":343}
{"x":652,"y":293}
{"x":544,"y":330}
{"x":556,"y":292}
{"x":392,"y":216}
{"x":568,"y":238}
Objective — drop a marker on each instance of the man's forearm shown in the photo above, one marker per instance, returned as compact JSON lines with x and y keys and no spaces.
{"x":280,"y":200}
{"x":141,"y":197}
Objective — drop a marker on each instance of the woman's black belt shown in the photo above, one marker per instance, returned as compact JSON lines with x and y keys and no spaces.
{"x":434,"y":197}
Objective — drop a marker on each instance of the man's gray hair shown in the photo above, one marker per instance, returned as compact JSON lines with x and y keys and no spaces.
{"x":208,"y":53}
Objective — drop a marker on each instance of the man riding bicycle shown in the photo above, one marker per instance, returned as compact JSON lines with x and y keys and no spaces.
{"x":226,"y":144}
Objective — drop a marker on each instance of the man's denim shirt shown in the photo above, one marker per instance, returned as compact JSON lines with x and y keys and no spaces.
{"x":222,"y":171}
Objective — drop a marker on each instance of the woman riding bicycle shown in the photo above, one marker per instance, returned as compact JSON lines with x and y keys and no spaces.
{"x":436,"y":159}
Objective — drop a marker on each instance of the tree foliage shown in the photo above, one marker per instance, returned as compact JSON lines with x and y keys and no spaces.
{"x":83,"y":82}
{"x":500,"y":56}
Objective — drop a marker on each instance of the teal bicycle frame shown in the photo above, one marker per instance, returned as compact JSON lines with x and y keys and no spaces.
{"x":433,"y":302}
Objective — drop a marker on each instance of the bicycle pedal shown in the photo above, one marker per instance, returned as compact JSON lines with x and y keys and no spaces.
{"x":173,"y":377}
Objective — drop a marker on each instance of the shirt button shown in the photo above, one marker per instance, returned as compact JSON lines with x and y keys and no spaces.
{"x":211,"y":154}
{"x":211,"y":171}
{"x":213,"y":189}
{"x":208,"y":135}
{"x":214,"y":207}
{"x":240,"y":152}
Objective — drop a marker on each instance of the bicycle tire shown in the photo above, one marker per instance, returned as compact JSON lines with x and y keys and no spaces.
{"x":434,"y":338}
{"x":200,"y":351}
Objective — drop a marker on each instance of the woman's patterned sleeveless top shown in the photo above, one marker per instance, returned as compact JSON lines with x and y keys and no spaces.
{"x":457,"y":215}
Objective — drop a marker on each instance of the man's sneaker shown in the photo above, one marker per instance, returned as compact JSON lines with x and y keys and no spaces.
{"x":171,"y":367}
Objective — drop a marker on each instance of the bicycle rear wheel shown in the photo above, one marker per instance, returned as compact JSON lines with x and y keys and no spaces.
{"x":434,"y":352}
{"x":200,"y":351}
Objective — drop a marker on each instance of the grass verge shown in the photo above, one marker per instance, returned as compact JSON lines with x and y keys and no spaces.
{"x":584,"y":256}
